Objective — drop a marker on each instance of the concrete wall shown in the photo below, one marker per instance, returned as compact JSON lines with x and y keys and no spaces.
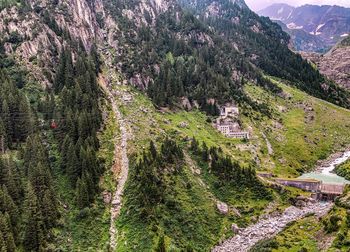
{"x":332,"y":189}
{"x":307,"y":185}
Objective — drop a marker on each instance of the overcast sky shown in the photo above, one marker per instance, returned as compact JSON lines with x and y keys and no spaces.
{"x":260,"y":4}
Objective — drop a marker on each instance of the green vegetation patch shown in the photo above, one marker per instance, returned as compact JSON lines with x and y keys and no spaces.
{"x":163,"y":200}
{"x":298,"y":236}
{"x":303,"y":130}
{"x":343,"y":170}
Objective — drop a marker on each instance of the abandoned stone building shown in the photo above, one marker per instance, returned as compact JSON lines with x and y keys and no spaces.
{"x":227,"y":122}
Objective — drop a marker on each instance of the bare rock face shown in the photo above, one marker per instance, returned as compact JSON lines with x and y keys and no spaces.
{"x":29,"y":38}
{"x":335,"y":64}
{"x":151,"y":7}
{"x":35,"y":37}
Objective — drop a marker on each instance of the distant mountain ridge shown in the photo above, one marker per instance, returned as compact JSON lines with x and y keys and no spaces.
{"x":323,"y":26}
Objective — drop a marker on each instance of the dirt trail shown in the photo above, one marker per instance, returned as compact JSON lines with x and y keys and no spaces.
{"x":122,"y":177}
{"x":269,"y":227}
{"x":120,"y":167}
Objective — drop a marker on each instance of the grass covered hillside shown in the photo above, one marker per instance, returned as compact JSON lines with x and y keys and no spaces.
{"x":191,"y":188}
{"x":186,"y":215}
{"x":303,"y":130}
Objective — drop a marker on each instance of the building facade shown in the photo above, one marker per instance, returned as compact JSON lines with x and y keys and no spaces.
{"x":227,"y":123}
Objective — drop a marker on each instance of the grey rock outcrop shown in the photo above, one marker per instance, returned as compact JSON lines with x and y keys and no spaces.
{"x":335,"y":64}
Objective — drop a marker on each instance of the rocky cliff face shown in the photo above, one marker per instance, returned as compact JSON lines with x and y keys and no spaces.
{"x":29,"y":41}
{"x":35,"y":34}
{"x":326,"y":23}
{"x":335,"y":64}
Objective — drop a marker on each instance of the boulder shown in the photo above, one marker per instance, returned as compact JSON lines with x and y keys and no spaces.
{"x":107,"y":197}
{"x":235,"y":229}
{"x":183,"y":125}
{"x":300,"y":203}
{"x":222,"y":207}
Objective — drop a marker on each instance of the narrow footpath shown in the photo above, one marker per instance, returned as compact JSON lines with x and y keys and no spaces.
{"x":120,"y":167}
{"x":270,"y":227}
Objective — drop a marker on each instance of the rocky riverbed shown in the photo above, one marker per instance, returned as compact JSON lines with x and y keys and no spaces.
{"x":268,"y":227}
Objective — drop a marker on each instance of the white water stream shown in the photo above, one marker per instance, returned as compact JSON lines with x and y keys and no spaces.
{"x":328,"y":170}
{"x":325,"y":172}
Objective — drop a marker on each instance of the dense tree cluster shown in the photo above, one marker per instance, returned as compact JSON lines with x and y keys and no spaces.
{"x":150,"y":172}
{"x":28,"y":203}
{"x":229,"y":171}
{"x":40,"y":202}
{"x":184,"y":58}
{"x":11,"y":194}
{"x":16,"y":120}
{"x":266,"y":45}
{"x":79,"y":118}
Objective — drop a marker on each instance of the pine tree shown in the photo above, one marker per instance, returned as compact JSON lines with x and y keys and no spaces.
{"x":205,"y":152}
{"x":6,"y":118}
{"x":153,"y":150}
{"x":34,"y":231}
{"x":5,"y":228}
{"x":59,"y":78}
{"x":95,"y":58}
{"x":82,"y":197}
{"x":69,"y":70}
{"x":49,"y":208}
{"x":194,"y":145}
{"x":12,"y":180}
{"x":161,"y":245}
{"x":3,"y":247}
{"x":7,"y":205}
{"x":23,"y":124}
{"x":67,"y":142}
{"x":3,"y":137}
{"x":73,"y":165}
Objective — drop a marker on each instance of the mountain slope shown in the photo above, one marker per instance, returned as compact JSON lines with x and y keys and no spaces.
{"x":67,"y":142}
{"x":335,"y":64}
{"x":326,"y":23}
{"x":298,"y":136}
{"x":303,"y":41}
{"x":265,"y":45}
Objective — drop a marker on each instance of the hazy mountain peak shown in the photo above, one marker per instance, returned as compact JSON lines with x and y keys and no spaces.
{"x":327,"y":24}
